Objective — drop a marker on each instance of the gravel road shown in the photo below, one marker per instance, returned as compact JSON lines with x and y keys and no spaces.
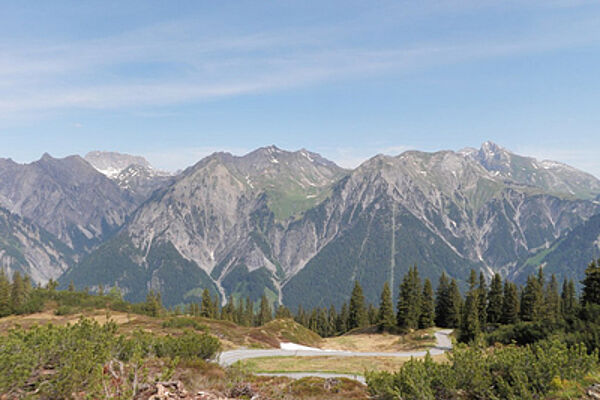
{"x":443,"y":344}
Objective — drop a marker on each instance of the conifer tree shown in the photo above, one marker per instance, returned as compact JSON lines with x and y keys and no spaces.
{"x":357,"y":313}
{"x":71,"y":287}
{"x":482,"y":301}
{"x":591,"y":284}
{"x":332,"y":320}
{"x":552,"y":300}
{"x":323,"y":323}
{"x":494,"y":309}
{"x":510,"y":304}
{"x":153,"y":305}
{"x":531,"y":300}
{"x":386,"y":318}
{"x":454,"y":305}
{"x":249,"y":312}
{"x":265,"y":314}
{"x":206,"y":308}
{"x":342,"y":322}
{"x":426,"y":319}
{"x":469,"y":327}
{"x":409,"y":300}
{"x":568,"y":301}
{"x":283,"y":312}
{"x":5,"y":296}
{"x":18,"y":292}
{"x":442,"y":302}
{"x":372,"y":314}
{"x":300,"y":316}
{"x":227,"y":312}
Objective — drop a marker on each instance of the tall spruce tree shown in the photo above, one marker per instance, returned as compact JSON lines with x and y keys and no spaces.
{"x":386,"y":318}
{"x":249,"y":312}
{"x":442,"y":302}
{"x":532,"y":300}
{"x":409,"y":300}
{"x":5,"y":289}
{"x":455,"y":305}
{"x":18,"y":295}
{"x":342,"y":321}
{"x":207,"y":307}
{"x":568,"y":299}
{"x":591,"y":284}
{"x":552,"y":300}
{"x":482,"y":301}
{"x":265,"y":313}
{"x":495,"y":299}
{"x":469,"y":327}
{"x":510,"y":304}
{"x":357,"y":313}
{"x":426,"y":319}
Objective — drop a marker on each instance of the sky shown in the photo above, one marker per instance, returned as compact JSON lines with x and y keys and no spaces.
{"x":177,"y":80}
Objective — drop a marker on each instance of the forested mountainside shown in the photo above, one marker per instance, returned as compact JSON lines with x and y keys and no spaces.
{"x":298,"y":228}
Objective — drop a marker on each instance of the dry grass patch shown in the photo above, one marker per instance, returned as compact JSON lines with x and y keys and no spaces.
{"x":381,"y":342}
{"x":332,"y":364}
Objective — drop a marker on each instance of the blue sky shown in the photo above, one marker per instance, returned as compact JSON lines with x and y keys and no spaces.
{"x":177,"y":80}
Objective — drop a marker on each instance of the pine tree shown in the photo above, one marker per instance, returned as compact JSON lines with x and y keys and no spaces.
{"x":342,"y":322}
{"x":207,"y":308}
{"x":300,"y":316}
{"x":494,"y":309}
{"x":591,"y":284}
{"x":442,"y":302}
{"x":332,"y":320}
{"x":323,"y":323}
{"x":153,"y":304}
{"x":409,"y":300}
{"x":265,"y":314}
{"x":215,"y":307}
{"x":372,"y":314}
{"x":552,"y":300}
{"x":283,"y":312}
{"x":510,"y":304}
{"x":357,"y":313}
{"x":227,"y":312}
{"x":454,"y":305}
{"x":568,"y":300}
{"x":386,"y":318}
{"x":482,"y":303}
{"x":249,"y":313}
{"x":71,"y":287}
{"x":18,"y":293}
{"x":469,"y":327}
{"x":532,"y":300}
{"x":426,"y":319}
{"x":5,"y":296}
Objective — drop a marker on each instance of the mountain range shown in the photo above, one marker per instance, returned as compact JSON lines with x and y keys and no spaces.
{"x":293,"y":225}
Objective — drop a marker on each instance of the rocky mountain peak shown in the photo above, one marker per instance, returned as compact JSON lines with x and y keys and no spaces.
{"x":111,"y":163}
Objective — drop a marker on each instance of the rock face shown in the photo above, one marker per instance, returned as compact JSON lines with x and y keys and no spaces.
{"x":300,"y":229}
{"x":111,"y":163}
{"x":133,"y":174}
{"x":67,"y":197}
{"x":551,"y":176}
{"x":31,"y":250}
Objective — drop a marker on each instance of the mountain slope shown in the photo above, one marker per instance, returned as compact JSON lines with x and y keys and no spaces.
{"x":568,"y":256}
{"x":551,"y":176}
{"x":31,"y":250}
{"x":67,"y":197}
{"x":212,"y":213}
{"x":299,"y":229}
{"x":133,"y":174}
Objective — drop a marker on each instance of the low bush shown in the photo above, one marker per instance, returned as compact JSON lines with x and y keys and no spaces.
{"x":506,"y":372}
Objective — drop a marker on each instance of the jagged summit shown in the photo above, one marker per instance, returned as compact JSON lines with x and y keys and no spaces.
{"x":111,"y":163}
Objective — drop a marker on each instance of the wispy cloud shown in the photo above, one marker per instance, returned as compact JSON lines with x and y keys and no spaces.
{"x":182,"y":63}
